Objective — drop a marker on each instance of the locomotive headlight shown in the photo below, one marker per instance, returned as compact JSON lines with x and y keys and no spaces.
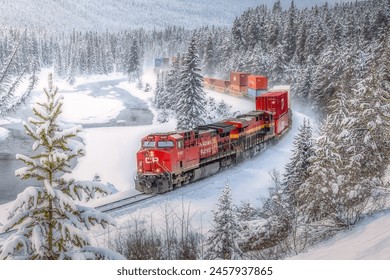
{"x":151,"y":154}
{"x":158,"y":170}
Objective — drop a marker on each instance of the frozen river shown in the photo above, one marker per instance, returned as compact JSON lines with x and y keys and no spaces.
{"x":132,"y":112}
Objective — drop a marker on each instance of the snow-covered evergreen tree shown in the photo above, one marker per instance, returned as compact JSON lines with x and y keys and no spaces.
{"x":343,"y":186}
{"x":191,"y":97}
{"x":134,"y":67}
{"x":296,"y":171}
{"x":209,"y":61}
{"x":247,"y":211}
{"x":296,"y":174}
{"x":222,"y":242}
{"x":324,"y":168}
{"x":49,"y":223}
{"x":158,"y":95}
{"x":211,"y":108}
{"x":161,"y":98}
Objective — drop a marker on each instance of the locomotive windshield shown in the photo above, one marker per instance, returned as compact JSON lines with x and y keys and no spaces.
{"x":165,"y":144}
{"x":149,"y":144}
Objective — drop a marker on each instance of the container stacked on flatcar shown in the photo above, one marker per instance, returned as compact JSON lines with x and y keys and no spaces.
{"x":257,"y":85}
{"x":277,"y":101}
{"x":220,"y":85}
{"x":240,"y":84}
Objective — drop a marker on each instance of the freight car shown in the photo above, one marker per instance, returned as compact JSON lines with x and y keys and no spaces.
{"x":240,"y":84}
{"x":169,"y":160}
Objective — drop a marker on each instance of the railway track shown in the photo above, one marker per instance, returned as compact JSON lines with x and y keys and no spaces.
{"x":122,"y":203}
{"x":106,"y":208}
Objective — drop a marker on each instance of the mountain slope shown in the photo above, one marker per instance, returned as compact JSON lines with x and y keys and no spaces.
{"x":61,"y":15}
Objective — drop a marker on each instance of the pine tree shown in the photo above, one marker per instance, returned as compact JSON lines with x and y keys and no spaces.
{"x":171,"y":85}
{"x":224,"y":111}
{"x":296,"y":174}
{"x":190,"y":97}
{"x":313,"y":196}
{"x":297,"y":169}
{"x":161,"y":100}
{"x":247,"y":212}
{"x":237,"y":35}
{"x":211,"y":109}
{"x":158,"y":102}
{"x":134,"y":67}
{"x":48,"y":222}
{"x":209,"y":58}
{"x":223,"y":238}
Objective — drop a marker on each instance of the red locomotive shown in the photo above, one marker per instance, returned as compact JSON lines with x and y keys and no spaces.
{"x":169,"y":160}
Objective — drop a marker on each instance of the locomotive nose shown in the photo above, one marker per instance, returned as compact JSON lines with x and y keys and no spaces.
{"x":149,"y":162}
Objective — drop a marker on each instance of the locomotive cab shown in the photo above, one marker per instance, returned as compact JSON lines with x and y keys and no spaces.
{"x":154,"y":162}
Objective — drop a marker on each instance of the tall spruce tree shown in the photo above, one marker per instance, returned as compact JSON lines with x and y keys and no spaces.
{"x":49,"y":223}
{"x":209,"y":58}
{"x":296,"y":171}
{"x":134,"y":67}
{"x":172,"y":83}
{"x":312,"y":197}
{"x":222,"y":242}
{"x":191,"y":98}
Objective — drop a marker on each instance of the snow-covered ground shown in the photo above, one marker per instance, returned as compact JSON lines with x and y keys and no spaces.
{"x":110,"y":153}
{"x":369,"y":240}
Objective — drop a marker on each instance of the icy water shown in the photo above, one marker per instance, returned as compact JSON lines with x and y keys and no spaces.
{"x":136,"y":112}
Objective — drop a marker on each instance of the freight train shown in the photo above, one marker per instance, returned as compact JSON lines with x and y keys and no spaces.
{"x":169,"y":160}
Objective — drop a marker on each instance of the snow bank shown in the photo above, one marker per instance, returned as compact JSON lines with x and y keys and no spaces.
{"x":81,"y":108}
{"x":369,"y":240}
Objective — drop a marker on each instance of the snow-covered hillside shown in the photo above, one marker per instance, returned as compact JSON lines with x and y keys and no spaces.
{"x":369,"y":240}
{"x":100,"y":15}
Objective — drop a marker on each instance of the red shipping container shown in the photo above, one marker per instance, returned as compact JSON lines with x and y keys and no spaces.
{"x":281,"y":124}
{"x":239,"y":78}
{"x":257,"y":82}
{"x":221,"y":83}
{"x":242,"y":89}
{"x":276,"y":102}
{"x":208,"y":80}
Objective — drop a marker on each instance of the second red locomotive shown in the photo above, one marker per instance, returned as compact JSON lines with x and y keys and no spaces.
{"x":168,"y":160}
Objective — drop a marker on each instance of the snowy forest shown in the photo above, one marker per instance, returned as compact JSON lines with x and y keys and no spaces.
{"x":337,"y":61}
